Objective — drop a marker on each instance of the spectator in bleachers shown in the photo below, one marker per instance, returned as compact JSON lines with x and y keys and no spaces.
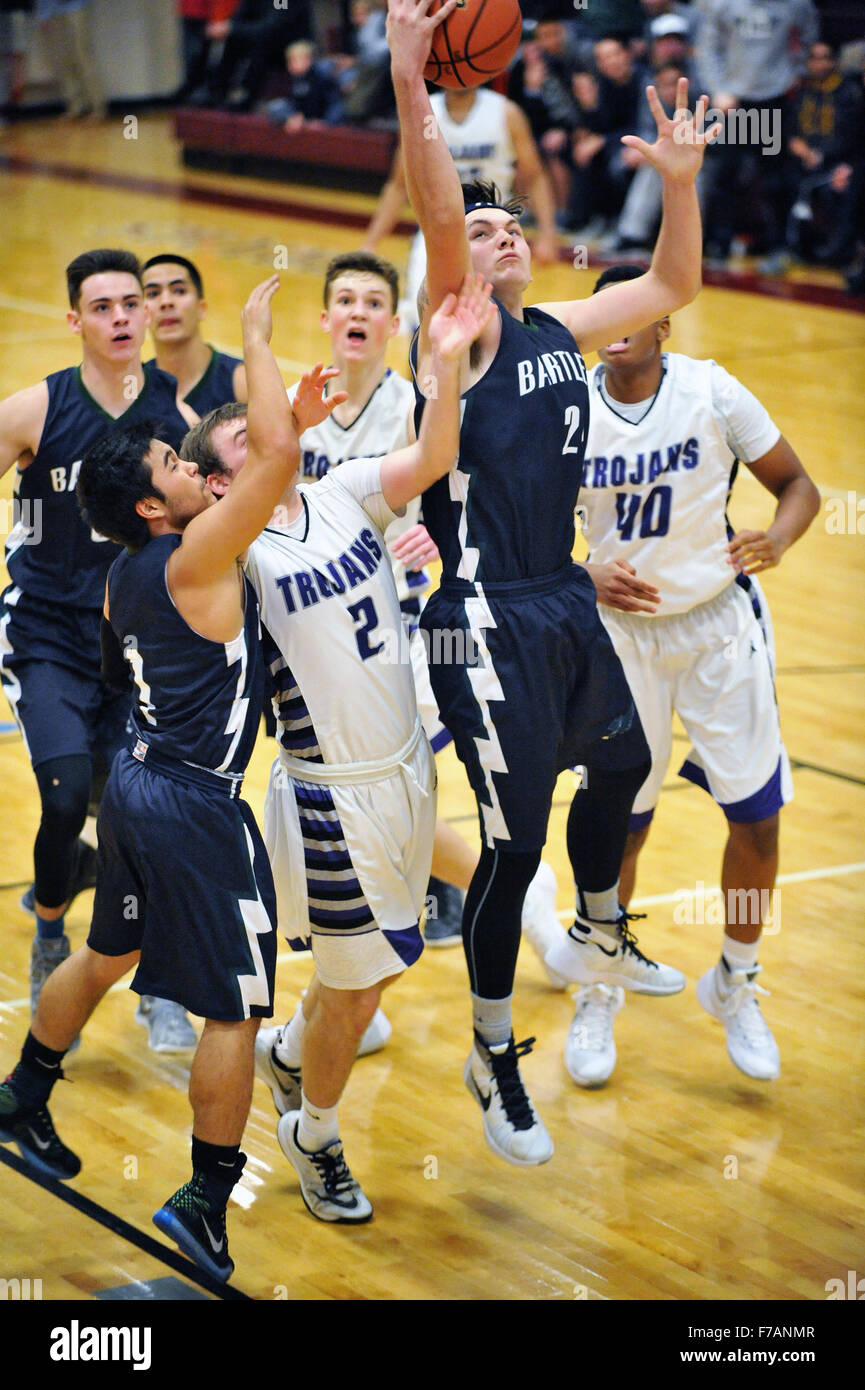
{"x":198,"y":49}
{"x":826,"y":141}
{"x":255,"y":33}
{"x":65,"y":30}
{"x":749,"y":56}
{"x":609,"y":108}
{"x":540,"y":79}
{"x":669,"y":41}
{"x":640,"y":217}
{"x":540,"y":82}
{"x":622,"y":17}
{"x":365,"y":75}
{"x":654,"y":10}
{"x":314,"y":92}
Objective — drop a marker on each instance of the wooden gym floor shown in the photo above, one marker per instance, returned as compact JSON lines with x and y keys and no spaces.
{"x":681,"y":1179}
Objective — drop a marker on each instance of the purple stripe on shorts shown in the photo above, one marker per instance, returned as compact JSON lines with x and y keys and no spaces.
{"x":760,"y":805}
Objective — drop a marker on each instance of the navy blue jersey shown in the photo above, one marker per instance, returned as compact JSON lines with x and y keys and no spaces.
{"x":198,"y":701}
{"x":216,"y":387}
{"x":506,"y":512}
{"x":51,"y":554}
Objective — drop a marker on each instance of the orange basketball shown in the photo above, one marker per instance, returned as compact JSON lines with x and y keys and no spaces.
{"x":474,"y":43}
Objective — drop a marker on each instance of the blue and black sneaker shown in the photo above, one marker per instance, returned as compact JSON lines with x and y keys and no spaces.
{"x":194,"y":1218}
{"x":35,"y":1136}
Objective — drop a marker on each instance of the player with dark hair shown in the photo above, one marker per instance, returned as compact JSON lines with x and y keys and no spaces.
{"x":72,"y":723}
{"x":550,"y":693}
{"x":680,"y":599}
{"x":174,"y":291}
{"x":203,"y":928}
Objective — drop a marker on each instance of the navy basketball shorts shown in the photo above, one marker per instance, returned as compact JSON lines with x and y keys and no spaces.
{"x":50,"y":670}
{"x":184,"y":878}
{"x":528,"y":682}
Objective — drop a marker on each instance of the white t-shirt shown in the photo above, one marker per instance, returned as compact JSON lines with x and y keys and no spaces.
{"x":328,"y":600}
{"x":657,"y":477}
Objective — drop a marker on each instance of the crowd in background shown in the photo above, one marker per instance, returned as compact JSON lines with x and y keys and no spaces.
{"x":786,"y":181}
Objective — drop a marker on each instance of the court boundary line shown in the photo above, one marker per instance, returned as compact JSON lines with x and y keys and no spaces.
{"x":116,"y":1224}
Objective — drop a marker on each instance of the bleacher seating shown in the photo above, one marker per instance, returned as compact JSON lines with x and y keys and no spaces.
{"x":251,"y":143}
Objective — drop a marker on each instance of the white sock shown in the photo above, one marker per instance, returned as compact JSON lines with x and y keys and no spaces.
{"x":317,"y":1127}
{"x":288,"y":1045}
{"x":740,"y":955}
{"x":599,"y":911}
{"x":492,"y":1019}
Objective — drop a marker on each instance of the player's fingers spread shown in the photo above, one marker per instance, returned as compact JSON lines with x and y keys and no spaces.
{"x":682,"y":97}
{"x":655,"y":105}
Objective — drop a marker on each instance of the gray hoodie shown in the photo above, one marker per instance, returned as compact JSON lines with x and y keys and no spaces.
{"x":754,"y":48}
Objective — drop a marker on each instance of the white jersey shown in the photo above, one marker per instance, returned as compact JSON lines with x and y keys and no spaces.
{"x":481,"y":148}
{"x":381,"y":427}
{"x":655,"y":488}
{"x":344,"y":687}
{"x":481,"y":145}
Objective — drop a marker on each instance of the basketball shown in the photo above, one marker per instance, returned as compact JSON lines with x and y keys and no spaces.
{"x":474,"y":43}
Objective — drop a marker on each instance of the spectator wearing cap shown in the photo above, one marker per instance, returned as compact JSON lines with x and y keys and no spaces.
{"x":670,"y":42}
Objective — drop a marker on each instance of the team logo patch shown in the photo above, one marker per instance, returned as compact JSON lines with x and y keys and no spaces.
{"x":140,"y":750}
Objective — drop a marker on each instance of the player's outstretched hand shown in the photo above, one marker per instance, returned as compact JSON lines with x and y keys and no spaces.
{"x":678,"y":151}
{"x":257,"y":319}
{"x":409,"y":33}
{"x":415,"y":547}
{"x":310,"y":405}
{"x":618,"y":587}
{"x":751,"y":552}
{"x":461,"y":318}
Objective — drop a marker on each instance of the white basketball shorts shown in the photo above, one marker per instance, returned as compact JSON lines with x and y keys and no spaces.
{"x":351,"y":848}
{"x":713,"y":666}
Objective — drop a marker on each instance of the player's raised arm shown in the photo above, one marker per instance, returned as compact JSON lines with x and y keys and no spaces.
{"x":674,"y":276}
{"x":431,"y":177}
{"x":215,"y":538}
{"x":452,"y":330}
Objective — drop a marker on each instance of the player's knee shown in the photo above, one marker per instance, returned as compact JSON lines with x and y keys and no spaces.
{"x":64,"y":789}
{"x":103,"y":971}
{"x":351,"y":1008}
{"x":635,"y":841}
{"x":759,"y":837}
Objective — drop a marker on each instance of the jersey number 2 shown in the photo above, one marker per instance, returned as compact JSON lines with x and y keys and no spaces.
{"x":365,"y":619}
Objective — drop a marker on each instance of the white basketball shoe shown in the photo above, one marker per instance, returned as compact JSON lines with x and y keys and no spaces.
{"x":730,"y":996}
{"x":587,"y":956}
{"x":540,"y":922}
{"x":590,"y":1049}
{"x":512,"y":1127}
